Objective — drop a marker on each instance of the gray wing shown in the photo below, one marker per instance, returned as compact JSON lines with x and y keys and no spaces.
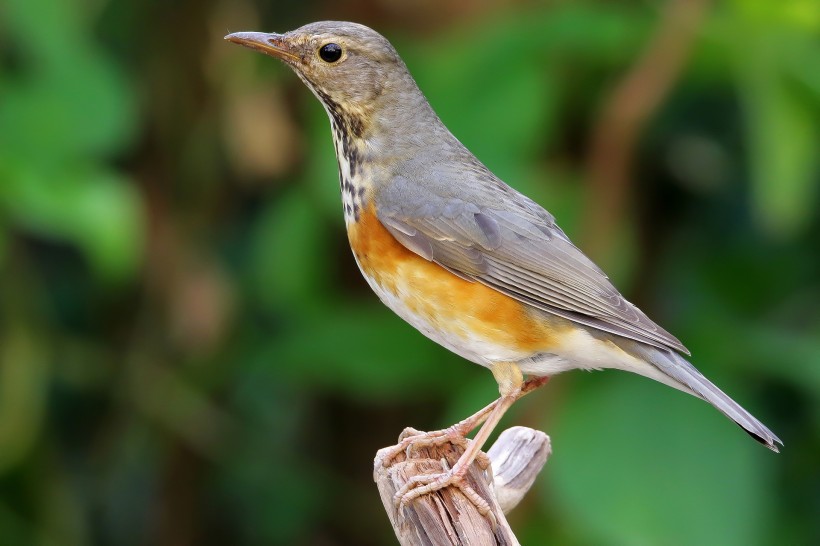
{"x":492,"y":234}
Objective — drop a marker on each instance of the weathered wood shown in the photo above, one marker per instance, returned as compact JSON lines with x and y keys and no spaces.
{"x":446,"y":517}
{"x":517,"y":457}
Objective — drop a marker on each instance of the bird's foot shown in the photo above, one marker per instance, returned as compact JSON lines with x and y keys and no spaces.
{"x":411,"y":440}
{"x":424,"y":484}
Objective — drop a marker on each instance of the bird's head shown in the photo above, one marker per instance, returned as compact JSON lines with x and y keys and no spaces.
{"x":349,"y":67}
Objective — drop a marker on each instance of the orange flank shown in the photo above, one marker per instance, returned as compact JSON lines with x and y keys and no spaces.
{"x":447,"y":302}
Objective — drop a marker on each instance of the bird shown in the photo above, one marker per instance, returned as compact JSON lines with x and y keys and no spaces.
{"x":470,"y":262}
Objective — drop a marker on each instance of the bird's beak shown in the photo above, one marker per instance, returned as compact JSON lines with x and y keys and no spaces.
{"x":275,"y":45}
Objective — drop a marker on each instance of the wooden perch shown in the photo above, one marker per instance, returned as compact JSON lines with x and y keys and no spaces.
{"x":446,"y":517}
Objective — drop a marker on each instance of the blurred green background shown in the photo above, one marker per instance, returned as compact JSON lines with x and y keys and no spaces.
{"x":188,"y":354}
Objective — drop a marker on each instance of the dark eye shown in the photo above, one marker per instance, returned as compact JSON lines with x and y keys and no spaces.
{"x":330,"y":53}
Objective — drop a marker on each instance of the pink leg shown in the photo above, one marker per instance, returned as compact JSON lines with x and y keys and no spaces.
{"x":490,"y":416}
{"x":411,"y":438}
{"x":456,"y":434}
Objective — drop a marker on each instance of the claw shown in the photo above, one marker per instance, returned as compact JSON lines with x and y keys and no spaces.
{"x":424,"y":484}
{"x":412,"y":440}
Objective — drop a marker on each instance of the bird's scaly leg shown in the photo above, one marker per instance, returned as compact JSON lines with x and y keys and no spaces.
{"x":511,"y":387}
{"x":412,"y":439}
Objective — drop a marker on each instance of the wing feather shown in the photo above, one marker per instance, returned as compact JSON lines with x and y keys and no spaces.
{"x":501,"y":238}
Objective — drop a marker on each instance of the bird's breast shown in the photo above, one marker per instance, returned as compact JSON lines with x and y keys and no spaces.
{"x":468,"y":318}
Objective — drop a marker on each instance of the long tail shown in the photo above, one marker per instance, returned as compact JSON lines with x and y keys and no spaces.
{"x":681,"y":371}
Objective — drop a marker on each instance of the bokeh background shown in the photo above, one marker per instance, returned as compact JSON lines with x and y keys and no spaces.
{"x":188,"y":354}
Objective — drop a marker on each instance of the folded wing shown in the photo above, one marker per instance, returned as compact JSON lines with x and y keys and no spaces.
{"x":504,"y":240}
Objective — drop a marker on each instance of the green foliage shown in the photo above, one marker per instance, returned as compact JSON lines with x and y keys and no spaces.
{"x":21,"y":412}
{"x":64,"y":112}
{"x":213,"y":370}
{"x":614,"y":467}
{"x":773,"y":63}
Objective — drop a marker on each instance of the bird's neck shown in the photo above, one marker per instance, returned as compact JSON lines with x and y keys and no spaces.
{"x":393,"y":130}
{"x":349,"y":128}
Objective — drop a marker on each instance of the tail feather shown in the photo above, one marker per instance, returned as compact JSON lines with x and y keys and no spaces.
{"x":679,"y":369}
